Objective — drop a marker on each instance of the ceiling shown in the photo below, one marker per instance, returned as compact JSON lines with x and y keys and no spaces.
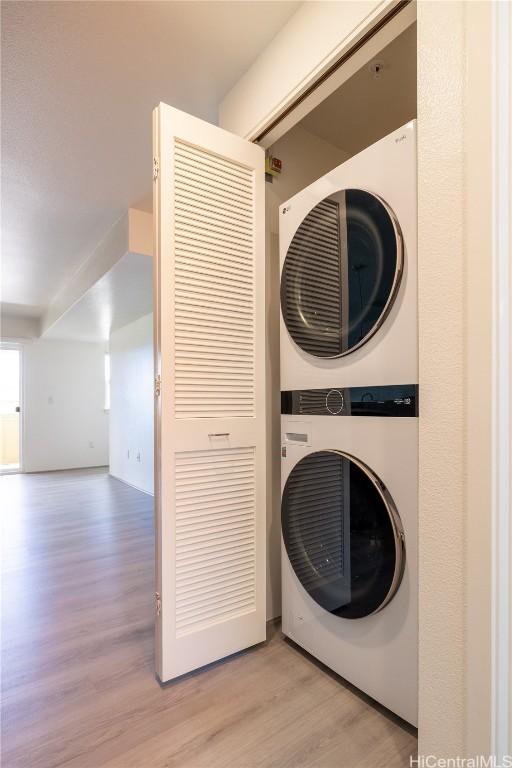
{"x":79,"y":82}
{"x":121,"y":296}
{"x":365,"y":108}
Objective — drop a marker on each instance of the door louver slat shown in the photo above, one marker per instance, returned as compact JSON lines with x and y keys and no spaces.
{"x":195,"y":578}
{"x":186,"y":237}
{"x":209,"y":567}
{"x":215,"y":537}
{"x":195,"y":157}
{"x":214,"y":285}
{"x":204,"y":299}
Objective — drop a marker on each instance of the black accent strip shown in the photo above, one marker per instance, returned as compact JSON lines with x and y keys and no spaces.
{"x":395,"y":400}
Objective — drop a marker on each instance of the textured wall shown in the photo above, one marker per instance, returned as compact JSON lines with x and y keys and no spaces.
{"x":441,"y":269}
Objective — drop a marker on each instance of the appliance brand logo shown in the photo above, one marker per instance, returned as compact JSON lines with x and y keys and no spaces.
{"x":401,"y":138}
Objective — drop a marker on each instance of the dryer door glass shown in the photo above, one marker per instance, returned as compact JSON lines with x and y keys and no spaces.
{"x":342,"y":534}
{"x":341,"y":273}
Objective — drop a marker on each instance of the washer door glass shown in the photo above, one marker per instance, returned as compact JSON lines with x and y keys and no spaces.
{"x":342,"y":533}
{"x":341,"y":273}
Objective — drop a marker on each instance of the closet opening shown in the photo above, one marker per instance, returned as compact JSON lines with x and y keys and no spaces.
{"x":376,"y":99}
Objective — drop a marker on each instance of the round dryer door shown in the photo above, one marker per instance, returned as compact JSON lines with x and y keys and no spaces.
{"x":342,"y":533}
{"x":341,"y":273}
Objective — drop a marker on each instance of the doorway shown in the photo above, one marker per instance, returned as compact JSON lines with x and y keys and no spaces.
{"x":10,"y":409}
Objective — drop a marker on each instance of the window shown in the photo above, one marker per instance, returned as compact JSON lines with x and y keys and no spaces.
{"x":10,"y":370}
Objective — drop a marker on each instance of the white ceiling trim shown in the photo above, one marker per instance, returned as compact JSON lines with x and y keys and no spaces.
{"x":122,"y":295}
{"x":132,"y":233}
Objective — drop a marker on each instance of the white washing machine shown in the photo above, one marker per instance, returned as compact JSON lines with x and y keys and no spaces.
{"x":348,"y":259}
{"x":349,"y":535}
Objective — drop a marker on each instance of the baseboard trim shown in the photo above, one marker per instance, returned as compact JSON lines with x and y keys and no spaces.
{"x":131,"y":485}
{"x":61,"y":469}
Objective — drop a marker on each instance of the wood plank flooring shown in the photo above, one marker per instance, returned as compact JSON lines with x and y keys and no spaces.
{"x":78,"y":684}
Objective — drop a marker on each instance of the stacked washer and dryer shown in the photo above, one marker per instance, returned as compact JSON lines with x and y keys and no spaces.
{"x":349,"y":405}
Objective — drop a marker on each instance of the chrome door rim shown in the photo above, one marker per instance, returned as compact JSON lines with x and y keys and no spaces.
{"x":394,"y":517}
{"x":397,"y":278}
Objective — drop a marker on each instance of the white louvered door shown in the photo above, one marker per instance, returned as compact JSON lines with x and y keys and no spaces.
{"x":210,"y":412}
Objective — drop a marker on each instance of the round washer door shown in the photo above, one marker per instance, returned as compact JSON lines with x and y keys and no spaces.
{"x":342,"y":534}
{"x":341,"y":273}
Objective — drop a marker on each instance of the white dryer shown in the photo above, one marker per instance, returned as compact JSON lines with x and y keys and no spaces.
{"x":349,"y":535}
{"x":349,"y":269}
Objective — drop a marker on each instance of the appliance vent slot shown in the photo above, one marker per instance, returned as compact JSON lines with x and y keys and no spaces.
{"x":313,"y":282}
{"x":312,"y":401}
{"x":296,"y":437}
{"x":215,"y":537}
{"x":214,"y":286}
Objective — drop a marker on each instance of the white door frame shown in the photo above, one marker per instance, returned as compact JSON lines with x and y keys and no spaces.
{"x":501,"y":721}
{"x":378,"y":32}
{"x":316,"y":38}
{"x":20,"y":348}
{"x":488,"y":211}
{"x":475,"y":78}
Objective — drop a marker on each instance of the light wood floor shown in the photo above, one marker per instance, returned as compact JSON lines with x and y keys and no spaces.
{"x":77,"y":663}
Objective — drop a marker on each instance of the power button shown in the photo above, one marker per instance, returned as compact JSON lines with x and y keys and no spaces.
{"x":334,"y":401}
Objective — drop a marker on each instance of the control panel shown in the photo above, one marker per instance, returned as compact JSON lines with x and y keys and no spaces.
{"x":394,"y":400}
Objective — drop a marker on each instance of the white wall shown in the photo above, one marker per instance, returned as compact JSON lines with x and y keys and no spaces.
{"x":64,"y":421}
{"x":441,"y":378}
{"x":305,"y":158}
{"x":458,"y":459}
{"x":131,"y":403}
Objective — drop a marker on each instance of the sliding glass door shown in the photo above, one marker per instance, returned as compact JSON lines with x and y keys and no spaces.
{"x":10,"y":409}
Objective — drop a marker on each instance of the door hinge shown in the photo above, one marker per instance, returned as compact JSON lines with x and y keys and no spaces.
{"x":158,"y":603}
{"x":158,"y":385}
{"x":156,"y":168}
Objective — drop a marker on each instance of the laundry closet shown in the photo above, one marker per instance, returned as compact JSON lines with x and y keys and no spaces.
{"x":379,"y":98}
{"x":342,"y":278}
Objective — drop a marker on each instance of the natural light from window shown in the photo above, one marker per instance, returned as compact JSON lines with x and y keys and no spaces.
{"x":9,"y":410}
{"x":107,"y":381}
